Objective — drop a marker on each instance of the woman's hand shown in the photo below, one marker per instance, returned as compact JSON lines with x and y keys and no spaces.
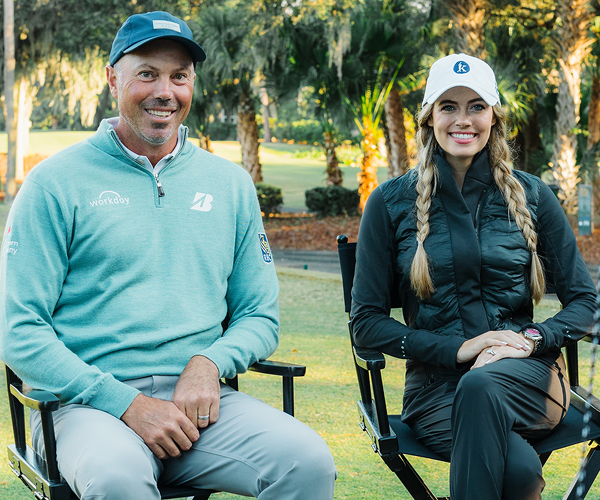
{"x":497,"y":340}
{"x":493,"y":354}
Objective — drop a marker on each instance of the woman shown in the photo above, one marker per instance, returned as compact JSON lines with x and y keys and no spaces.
{"x":468,"y":244}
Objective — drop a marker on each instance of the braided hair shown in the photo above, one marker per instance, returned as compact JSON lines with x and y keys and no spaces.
{"x":511,"y":189}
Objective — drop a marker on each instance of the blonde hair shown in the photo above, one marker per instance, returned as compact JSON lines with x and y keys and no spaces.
{"x":510,"y":187}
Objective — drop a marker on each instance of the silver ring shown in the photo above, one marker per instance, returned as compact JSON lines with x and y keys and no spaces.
{"x":203,"y":417}
{"x":491,"y":351}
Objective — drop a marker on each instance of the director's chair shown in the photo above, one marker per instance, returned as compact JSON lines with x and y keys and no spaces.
{"x":42,"y":476}
{"x":393,"y":440}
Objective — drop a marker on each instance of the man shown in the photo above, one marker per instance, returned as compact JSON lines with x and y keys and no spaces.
{"x":121,"y":257}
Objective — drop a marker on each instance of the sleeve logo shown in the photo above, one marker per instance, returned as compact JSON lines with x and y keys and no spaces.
{"x":264,"y":248}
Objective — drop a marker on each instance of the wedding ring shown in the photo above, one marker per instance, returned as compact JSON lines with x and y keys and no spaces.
{"x":203,"y":417}
{"x":491,"y":351}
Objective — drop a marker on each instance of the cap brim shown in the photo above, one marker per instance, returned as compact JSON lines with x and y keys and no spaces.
{"x":198,"y":54}
{"x":490,"y":99}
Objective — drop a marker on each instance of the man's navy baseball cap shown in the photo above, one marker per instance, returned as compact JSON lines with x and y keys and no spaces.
{"x":140,"y":29}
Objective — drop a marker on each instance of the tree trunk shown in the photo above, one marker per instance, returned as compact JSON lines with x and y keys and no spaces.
{"x":367,"y":177}
{"x":10,"y":190}
{"x":527,"y":142}
{"x":102,"y":105}
{"x":394,"y":119}
{"x":264,"y":105}
{"x":594,"y":113}
{"x":334,"y":173}
{"x":564,"y":166}
{"x":205,"y":141}
{"x":594,"y":134}
{"x":573,"y":43}
{"x":469,"y":23}
{"x":247,"y":131}
{"x":26,"y":96}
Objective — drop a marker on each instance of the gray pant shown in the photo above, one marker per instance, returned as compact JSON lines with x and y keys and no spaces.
{"x":484,"y":423}
{"x":252,"y":450}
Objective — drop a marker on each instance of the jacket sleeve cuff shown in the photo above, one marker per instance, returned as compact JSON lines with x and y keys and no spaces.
{"x":114,"y":397}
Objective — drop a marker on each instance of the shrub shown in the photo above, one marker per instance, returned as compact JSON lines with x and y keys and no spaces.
{"x":332,"y":200}
{"x":219,"y":131}
{"x":269,"y":198}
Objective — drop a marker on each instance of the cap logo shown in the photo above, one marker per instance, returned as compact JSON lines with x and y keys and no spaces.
{"x":166,"y":25}
{"x":461,"y":67}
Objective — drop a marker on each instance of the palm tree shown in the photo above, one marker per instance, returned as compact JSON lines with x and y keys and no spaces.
{"x":9,"y":82}
{"x":515,"y":41}
{"x":367,"y":117}
{"x":385,"y":38}
{"x":305,"y":63}
{"x":225,"y":33}
{"x":573,"y":43}
{"x":469,"y":23}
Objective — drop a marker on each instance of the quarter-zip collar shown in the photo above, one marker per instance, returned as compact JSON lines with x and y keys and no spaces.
{"x":107,"y":141}
{"x":143,"y":160}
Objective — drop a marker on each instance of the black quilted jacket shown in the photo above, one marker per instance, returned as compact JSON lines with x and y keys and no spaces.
{"x":480,"y":267}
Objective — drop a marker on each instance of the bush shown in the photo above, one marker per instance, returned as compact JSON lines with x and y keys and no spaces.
{"x":302,"y":131}
{"x":269,"y":198}
{"x":219,"y":131}
{"x":332,"y":200}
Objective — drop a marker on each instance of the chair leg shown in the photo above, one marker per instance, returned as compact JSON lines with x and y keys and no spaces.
{"x":409,"y":477}
{"x":590,"y":470}
{"x":544,"y":457}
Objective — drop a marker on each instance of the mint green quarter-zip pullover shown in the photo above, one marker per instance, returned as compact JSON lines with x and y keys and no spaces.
{"x":111,"y":273}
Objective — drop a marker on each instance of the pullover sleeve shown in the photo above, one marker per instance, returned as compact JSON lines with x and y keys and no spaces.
{"x":567,"y":272}
{"x":372,"y":293}
{"x":252,"y":298}
{"x":34,"y":264}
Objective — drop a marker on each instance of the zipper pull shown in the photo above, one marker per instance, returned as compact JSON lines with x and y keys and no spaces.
{"x":161,"y":191}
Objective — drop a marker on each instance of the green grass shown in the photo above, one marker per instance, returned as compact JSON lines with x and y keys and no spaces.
{"x":281,"y":167}
{"x":314,"y":333}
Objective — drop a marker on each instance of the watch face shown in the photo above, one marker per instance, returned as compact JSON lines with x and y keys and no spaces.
{"x":533,"y":334}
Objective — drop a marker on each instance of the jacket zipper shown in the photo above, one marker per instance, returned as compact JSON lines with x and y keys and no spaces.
{"x":159,"y":188}
{"x":477,"y":221}
{"x":161,"y":191}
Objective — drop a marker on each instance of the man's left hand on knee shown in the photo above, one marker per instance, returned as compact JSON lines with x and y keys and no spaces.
{"x":197,"y":393}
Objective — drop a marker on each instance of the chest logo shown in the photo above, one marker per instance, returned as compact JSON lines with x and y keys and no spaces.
{"x":109,"y":198}
{"x":202,"y":202}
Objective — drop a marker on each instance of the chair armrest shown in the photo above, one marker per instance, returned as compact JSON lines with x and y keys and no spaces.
{"x":45,"y":403}
{"x":583,"y":400}
{"x":373,"y":412}
{"x":278,"y":368}
{"x":35,"y":399}
{"x":369,"y":359}
{"x":285,"y":370}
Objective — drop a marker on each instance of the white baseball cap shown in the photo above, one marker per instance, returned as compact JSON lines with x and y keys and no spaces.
{"x":461,"y":70}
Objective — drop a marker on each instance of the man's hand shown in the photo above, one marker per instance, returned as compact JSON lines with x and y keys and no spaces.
{"x":198,"y":391}
{"x":472,"y":348}
{"x":162,"y":426}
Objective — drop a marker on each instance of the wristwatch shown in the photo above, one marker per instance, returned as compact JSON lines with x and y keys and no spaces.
{"x":536,"y":336}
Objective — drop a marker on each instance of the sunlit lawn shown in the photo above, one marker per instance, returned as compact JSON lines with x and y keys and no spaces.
{"x":281,"y":167}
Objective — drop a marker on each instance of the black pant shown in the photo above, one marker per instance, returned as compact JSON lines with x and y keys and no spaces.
{"x":484,"y":420}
